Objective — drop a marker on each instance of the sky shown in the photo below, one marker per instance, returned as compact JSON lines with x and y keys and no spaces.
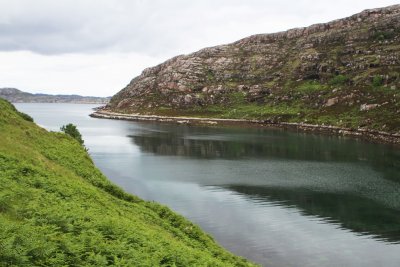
{"x":96,"y":47}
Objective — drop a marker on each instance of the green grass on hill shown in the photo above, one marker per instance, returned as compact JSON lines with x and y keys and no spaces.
{"x":57,"y":209}
{"x":306,"y":102}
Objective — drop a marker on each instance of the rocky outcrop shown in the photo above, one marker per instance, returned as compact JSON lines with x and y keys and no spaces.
{"x":326,"y":69}
{"x":367,"y":107}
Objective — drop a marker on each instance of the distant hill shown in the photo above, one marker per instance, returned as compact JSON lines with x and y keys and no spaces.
{"x":18,"y":96}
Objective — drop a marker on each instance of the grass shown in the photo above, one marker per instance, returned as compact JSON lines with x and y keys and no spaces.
{"x":311,"y":87}
{"x":338,"y":80}
{"x":58,"y":209}
{"x":255,"y":111}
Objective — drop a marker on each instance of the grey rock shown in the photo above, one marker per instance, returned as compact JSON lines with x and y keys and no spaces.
{"x":367,"y":107}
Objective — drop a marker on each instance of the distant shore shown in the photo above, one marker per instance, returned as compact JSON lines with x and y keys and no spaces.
{"x":14,"y":95}
{"x":362,"y":133}
{"x":60,"y":102}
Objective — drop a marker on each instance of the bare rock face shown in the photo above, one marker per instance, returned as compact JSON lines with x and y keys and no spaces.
{"x":332,"y":101}
{"x":352,"y":54}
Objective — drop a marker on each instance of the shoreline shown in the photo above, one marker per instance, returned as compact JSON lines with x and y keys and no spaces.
{"x":361,"y":133}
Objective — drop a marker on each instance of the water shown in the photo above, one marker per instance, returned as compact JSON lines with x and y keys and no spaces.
{"x":278,"y":198}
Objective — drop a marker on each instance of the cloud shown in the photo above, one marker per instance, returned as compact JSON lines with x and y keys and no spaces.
{"x":85,"y":74}
{"x":97,"y":46}
{"x":155,"y":27}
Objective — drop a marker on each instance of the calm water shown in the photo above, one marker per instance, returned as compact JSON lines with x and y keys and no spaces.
{"x":278,"y":198}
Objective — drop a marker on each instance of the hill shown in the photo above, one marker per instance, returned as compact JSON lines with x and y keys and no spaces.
{"x":16,"y":96}
{"x":344,"y":73}
{"x":58,"y":209}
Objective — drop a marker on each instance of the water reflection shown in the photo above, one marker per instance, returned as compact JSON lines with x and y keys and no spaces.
{"x":344,"y":181}
{"x":221,"y":143}
{"x":352,"y":212}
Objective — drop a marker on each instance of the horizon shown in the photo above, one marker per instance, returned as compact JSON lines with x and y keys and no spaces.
{"x":104,"y":46}
{"x":22,"y":91}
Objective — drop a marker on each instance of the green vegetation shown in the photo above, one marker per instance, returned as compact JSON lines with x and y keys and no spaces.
{"x":57,"y":209}
{"x":72,"y":131}
{"x":210,"y":75}
{"x":22,"y":115}
{"x":237,"y":97}
{"x":339,"y":80}
{"x":305,"y":102}
{"x":25,"y":116}
{"x":255,"y":111}
{"x":384,"y":35}
{"x":377,"y":81}
{"x":310,"y":87}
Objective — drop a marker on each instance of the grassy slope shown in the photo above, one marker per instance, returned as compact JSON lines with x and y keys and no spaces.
{"x":57,"y":209}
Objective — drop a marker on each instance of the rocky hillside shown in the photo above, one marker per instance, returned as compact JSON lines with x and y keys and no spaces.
{"x":17,"y":96}
{"x":344,"y":73}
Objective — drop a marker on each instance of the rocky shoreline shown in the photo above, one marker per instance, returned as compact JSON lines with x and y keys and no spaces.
{"x":362,"y":133}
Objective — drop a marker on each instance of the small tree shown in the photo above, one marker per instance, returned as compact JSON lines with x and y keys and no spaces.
{"x":72,"y":131}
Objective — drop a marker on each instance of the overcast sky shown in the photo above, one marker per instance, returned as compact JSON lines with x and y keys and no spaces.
{"x":95,"y":47}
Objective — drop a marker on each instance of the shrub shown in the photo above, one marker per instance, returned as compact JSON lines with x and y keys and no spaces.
{"x":377,"y":81}
{"x":25,"y":116}
{"x":339,"y":80}
{"x":21,"y":114}
{"x":385,"y":35}
{"x":72,"y":131}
